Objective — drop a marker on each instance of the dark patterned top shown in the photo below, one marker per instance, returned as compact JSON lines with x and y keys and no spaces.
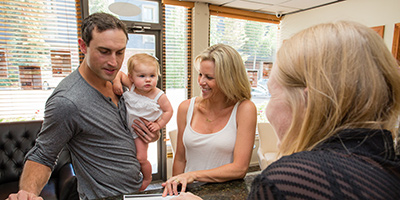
{"x":354,"y":164}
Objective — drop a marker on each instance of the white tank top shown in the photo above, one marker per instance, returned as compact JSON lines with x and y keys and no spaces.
{"x":208,"y":151}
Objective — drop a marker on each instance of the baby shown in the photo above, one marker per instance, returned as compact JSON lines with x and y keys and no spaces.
{"x":143,"y":100}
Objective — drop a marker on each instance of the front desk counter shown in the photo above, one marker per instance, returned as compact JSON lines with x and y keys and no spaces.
{"x":231,"y":190}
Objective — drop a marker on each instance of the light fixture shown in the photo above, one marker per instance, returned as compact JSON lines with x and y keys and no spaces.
{"x":124,"y":9}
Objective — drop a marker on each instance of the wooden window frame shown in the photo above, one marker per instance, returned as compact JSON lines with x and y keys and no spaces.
{"x":396,"y":43}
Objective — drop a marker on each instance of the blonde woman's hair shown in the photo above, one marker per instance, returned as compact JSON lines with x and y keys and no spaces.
{"x":337,"y":76}
{"x":230,"y":73}
{"x":143,"y":58}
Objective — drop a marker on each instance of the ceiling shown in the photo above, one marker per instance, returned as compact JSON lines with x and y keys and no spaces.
{"x":283,"y":7}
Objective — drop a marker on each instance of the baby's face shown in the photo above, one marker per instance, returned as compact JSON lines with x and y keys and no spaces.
{"x":144,"y":77}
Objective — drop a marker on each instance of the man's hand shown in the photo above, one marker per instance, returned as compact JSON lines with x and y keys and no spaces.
{"x":144,"y":133}
{"x":23,"y":195}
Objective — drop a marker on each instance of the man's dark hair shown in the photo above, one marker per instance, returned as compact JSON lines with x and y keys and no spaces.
{"x":103,"y":22}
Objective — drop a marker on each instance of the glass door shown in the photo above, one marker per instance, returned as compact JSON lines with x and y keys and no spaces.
{"x":143,"y":21}
{"x":146,"y":43}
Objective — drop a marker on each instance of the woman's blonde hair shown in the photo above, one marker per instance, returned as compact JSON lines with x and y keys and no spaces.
{"x":337,"y":76}
{"x":143,"y":58}
{"x":230,"y":73}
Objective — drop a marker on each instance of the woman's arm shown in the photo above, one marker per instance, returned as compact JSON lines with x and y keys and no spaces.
{"x":178,"y":167}
{"x":179,"y":158}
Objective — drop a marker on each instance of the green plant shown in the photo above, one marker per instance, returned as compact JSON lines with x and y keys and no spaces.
{"x":261,"y":112}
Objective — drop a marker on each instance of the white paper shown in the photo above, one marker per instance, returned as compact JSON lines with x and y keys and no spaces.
{"x":147,"y":197}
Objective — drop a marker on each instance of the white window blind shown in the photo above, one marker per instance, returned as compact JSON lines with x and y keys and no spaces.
{"x":177,"y":50}
{"x":177,"y":56}
{"x":38,"y":47}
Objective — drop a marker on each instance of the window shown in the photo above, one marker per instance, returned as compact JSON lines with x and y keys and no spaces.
{"x":150,"y":13}
{"x":177,"y":51}
{"x":256,"y":42}
{"x":144,"y":31}
{"x":33,"y":33}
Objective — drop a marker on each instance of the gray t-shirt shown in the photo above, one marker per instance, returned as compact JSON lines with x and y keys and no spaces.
{"x":94,"y":130}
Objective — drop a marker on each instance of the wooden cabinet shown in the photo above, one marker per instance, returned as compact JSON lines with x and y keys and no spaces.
{"x":3,"y":66}
{"x":60,"y":63}
{"x":30,"y":77}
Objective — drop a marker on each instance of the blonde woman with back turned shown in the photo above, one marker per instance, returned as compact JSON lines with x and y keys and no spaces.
{"x":215,"y":131}
{"x":335,"y":93}
{"x":335,"y":103}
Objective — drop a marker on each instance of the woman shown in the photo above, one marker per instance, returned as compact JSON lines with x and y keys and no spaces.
{"x":215,"y":131}
{"x":335,"y":93}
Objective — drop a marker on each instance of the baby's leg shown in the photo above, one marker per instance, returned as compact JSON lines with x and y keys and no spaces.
{"x":141,"y":154}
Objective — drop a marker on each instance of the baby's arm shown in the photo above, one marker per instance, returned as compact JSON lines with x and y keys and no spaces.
{"x":166,"y":107}
{"x":121,"y":79}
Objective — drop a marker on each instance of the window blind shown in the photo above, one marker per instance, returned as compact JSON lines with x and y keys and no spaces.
{"x":177,"y":47}
{"x":256,"y":42}
{"x":38,"y":48}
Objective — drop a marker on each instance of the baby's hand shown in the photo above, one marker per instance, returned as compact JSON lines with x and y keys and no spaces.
{"x":154,"y":126}
{"x":117,"y":88}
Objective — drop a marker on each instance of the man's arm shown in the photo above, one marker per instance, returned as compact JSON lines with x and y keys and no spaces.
{"x":33,"y":178}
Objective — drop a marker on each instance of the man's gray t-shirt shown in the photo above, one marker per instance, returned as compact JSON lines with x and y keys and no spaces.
{"x":94,"y":130}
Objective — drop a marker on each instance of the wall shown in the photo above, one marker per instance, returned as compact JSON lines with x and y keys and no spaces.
{"x":368,"y":12}
{"x":200,"y":39}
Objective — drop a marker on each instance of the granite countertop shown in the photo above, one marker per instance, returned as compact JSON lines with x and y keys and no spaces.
{"x":232,"y":190}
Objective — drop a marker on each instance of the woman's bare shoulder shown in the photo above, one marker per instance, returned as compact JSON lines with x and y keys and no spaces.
{"x":246,"y":105}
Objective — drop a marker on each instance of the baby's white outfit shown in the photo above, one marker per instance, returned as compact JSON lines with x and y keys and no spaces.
{"x":140,"y":106}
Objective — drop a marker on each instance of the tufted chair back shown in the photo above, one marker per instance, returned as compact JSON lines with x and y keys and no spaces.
{"x":16,"y":139}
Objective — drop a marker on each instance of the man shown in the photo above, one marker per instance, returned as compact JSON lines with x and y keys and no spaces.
{"x":85,"y":115}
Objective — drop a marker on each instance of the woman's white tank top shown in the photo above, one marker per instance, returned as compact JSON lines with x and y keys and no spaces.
{"x":208,"y":151}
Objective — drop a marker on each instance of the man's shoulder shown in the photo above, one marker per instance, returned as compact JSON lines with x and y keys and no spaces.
{"x":71,"y":85}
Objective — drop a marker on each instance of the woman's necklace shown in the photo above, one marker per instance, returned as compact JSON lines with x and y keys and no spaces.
{"x":212,"y":120}
{"x":216,"y":116}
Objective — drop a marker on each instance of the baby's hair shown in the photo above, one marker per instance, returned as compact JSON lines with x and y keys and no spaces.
{"x":143,"y":58}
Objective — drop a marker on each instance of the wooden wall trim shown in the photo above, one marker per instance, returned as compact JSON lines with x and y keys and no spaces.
{"x":379,"y":29}
{"x":243,"y":14}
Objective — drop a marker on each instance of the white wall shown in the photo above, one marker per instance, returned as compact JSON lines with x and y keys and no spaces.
{"x":368,"y":12}
{"x":200,"y":31}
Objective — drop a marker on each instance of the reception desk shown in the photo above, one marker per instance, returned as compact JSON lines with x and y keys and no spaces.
{"x":231,"y":190}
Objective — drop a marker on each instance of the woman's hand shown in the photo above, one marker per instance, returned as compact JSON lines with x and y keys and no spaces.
{"x":171,"y":185}
{"x":187,"y":196}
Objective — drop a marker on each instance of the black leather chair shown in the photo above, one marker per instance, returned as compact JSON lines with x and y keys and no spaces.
{"x":16,"y":139}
